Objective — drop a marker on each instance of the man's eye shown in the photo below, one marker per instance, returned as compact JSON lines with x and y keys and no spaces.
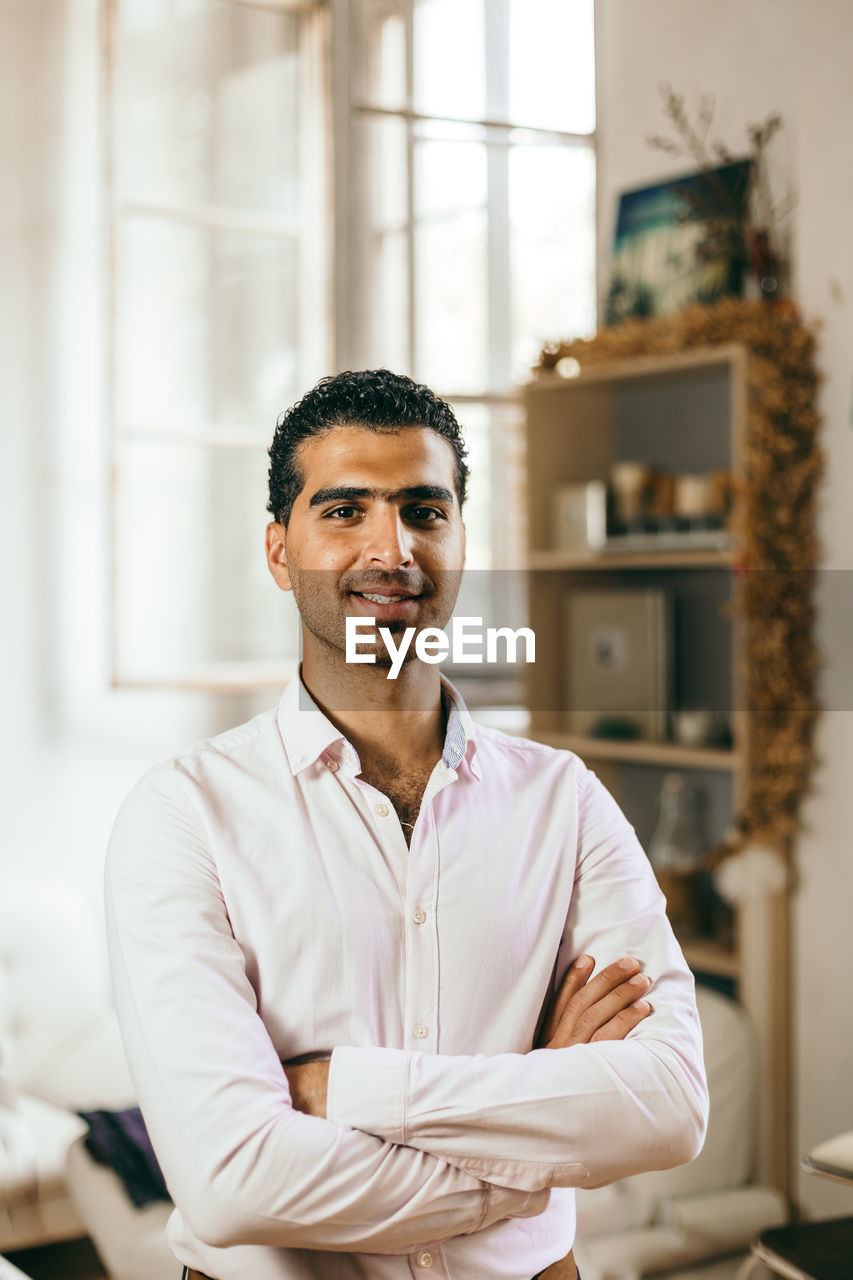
{"x":425,"y":514}
{"x":342,"y":513}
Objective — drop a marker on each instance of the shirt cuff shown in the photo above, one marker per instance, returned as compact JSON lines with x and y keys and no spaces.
{"x":366,"y":1090}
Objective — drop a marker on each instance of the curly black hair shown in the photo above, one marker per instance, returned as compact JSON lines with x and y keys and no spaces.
{"x":374,"y":399}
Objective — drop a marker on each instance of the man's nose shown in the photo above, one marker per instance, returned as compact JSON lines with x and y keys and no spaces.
{"x":388,"y":542}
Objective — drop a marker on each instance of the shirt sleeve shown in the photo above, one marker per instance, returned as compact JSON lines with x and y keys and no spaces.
{"x":241,"y":1164}
{"x":582,"y":1116}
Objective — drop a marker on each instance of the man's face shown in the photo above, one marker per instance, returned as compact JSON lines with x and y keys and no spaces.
{"x":375,"y":532}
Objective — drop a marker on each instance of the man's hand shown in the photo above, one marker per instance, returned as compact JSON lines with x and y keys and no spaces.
{"x":604,"y":1008}
{"x":308,"y":1085}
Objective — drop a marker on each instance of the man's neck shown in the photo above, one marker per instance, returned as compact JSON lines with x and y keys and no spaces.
{"x":384,"y":719}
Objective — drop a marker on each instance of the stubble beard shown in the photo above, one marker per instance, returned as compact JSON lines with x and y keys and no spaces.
{"x":327,"y":622}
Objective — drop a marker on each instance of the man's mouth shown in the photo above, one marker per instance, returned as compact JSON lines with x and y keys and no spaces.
{"x":379,"y":599}
{"x":387,"y":606}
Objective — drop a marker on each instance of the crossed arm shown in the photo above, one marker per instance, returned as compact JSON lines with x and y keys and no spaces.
{"x":582,"y":1011}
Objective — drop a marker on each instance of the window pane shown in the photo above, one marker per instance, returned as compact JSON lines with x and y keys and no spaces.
{"x":449,"y":58}
{"x":552,"y":64}
{"x":475,"y":421}
{"x":210,"y":104}
{"x":451,"y":281}
{"x":192,"y":584}
{"x":380,"y":260}
{"x":494,"y":434}
{"x":208,"y":326}
{"x":493,"y":585}
{"x":379,"y":69}
{"x":552,"y":218}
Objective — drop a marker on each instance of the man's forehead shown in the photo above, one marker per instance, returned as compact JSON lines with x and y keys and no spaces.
{"x":363,"y":452}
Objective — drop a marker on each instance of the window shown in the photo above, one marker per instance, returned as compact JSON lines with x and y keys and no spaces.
{"x":463,"y":168}
{"x":219,"y":319}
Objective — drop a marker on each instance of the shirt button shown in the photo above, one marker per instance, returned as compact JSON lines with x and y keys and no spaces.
{"x":332,"y":766}
{"x":424,"y":1259}
{"x":419,"y":915}
{"x":420,"y":1032}
{"x":381,"y":810}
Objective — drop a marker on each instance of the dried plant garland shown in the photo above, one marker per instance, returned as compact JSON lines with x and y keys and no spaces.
{"x":775,"y":527}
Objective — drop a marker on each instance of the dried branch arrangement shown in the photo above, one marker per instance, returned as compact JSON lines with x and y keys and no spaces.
{"x":743,"y":221}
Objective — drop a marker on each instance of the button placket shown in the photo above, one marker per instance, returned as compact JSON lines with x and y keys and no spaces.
{"x":421,"y":1010}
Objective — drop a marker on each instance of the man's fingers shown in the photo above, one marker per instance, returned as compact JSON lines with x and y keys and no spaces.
{"x":606,"y":1007}
{"x":576,"y":975}
{"x":578,"y":993}
{"x":592,"y":1017}
{"x":604,"y":983}
{"x":623,"y":1022}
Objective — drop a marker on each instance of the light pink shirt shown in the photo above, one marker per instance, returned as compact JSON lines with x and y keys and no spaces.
{"x":262,"y":904}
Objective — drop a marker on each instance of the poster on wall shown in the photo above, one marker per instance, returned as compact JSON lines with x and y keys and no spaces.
{"x":679,"y":242}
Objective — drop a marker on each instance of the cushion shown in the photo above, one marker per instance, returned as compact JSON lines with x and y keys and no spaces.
{"x":120,"y":1140}
{"x":52,"y":976}
{"x":35,"y":1137}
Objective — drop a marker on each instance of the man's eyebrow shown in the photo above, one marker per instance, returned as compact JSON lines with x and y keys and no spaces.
{"x":415,"y":493}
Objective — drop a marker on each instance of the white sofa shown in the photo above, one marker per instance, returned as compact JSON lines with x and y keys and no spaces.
{"x":60,"y":1051}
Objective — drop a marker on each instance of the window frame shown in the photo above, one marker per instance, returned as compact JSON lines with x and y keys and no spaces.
{"x":225,"y":676}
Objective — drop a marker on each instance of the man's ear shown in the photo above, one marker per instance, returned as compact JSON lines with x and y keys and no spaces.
{"x":276,"y":558}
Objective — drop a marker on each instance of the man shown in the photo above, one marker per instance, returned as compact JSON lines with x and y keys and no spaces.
{"x":402,"y":909}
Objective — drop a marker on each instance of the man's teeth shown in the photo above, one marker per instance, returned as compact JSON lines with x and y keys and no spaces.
{"x":383,"y":599}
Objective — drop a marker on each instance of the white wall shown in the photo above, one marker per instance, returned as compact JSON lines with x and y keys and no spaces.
{"x":757,"y":57}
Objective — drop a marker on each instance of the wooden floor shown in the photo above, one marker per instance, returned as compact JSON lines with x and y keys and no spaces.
{"x":71,"y":1260}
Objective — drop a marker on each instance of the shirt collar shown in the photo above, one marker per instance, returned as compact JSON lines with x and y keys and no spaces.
{"x":306,"y":733}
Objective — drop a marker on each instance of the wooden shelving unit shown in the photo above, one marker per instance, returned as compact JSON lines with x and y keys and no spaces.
{"x":685,"y":412}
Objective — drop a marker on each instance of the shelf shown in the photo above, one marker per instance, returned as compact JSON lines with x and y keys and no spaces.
{"x":634,"y":752}
{"x":640,"y":369}
{"x":603,"y":561}
{"x":706,"y":956}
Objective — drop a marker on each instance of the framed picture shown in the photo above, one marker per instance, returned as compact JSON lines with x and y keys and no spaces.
{"x":679,"y":242}
{"x":618,"y":664}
